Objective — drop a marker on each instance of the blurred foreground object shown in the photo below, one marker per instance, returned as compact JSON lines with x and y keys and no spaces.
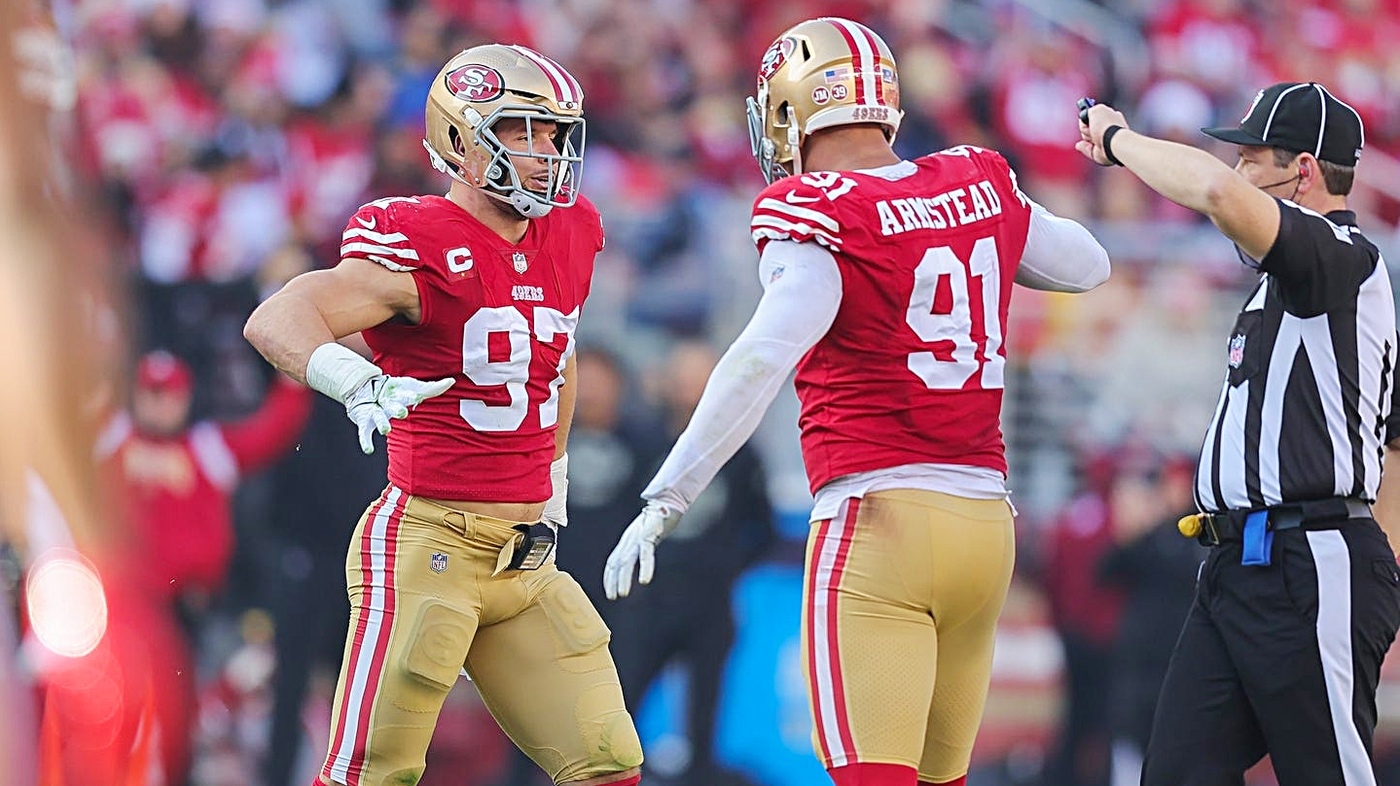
{"x":92,"y":642}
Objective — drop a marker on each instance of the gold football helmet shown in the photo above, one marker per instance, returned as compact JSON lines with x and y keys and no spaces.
{"x":821,"y":73}
{"x":486,"y":83}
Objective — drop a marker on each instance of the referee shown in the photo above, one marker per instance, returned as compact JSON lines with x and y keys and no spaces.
{"x":1299,"y":598}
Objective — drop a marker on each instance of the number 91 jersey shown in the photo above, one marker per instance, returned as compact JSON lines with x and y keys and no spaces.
{"x":911,"y":370}
{"x":497,"y":316}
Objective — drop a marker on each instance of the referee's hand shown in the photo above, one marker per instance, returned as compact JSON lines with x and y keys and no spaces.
{"x":1094,"y":119}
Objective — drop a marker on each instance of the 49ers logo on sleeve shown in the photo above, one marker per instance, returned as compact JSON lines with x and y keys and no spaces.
{"x":476,"y":83}
{"x":774,"y":58}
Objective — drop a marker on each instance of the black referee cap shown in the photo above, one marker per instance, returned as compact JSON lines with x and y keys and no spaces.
{"x":1302,"y":117}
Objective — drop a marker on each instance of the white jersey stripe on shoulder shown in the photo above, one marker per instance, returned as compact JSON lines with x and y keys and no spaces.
{"x":831,"y":244}
{"x":806,"y":214}
{"x":374,"y":248}
{"x":564,"y":85}
{"x":779,"y":229}
{"x":378,"y":237}
{"x":785,"y":222}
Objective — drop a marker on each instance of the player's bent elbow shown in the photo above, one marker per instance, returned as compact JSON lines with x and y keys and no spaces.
{"x":1095,"y":271}
{"x":256,"y":330}
{"x":1100,"y":271}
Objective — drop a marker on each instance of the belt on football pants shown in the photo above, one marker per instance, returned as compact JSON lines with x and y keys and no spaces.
{"x":1213,"y":529}
{"x":530,"y":550}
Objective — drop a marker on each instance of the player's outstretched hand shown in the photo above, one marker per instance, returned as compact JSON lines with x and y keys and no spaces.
{"x":636,"y":549}
{"x":384,"y":398}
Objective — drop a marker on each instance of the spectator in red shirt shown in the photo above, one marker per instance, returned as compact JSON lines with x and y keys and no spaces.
{"x":175,"y":481}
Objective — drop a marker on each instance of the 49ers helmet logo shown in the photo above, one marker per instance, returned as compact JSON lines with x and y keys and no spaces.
{"x":476,"y":83}
{"x":774,"y":58}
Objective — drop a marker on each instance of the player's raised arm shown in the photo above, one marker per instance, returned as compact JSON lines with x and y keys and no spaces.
{"x":1245,"y":212}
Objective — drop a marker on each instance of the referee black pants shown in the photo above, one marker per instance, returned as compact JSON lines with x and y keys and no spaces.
{"x":1280,"y":660}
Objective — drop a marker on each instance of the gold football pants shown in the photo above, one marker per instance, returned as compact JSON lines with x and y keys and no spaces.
{"x":901,"y":595}
{"x":425,"y":604}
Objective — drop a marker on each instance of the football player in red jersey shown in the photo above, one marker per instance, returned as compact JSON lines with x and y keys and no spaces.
{"x":451,"y":569}
{"x":886,"y":286}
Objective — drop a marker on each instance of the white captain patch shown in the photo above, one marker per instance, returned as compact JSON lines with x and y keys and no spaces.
{"x":527,"y":292}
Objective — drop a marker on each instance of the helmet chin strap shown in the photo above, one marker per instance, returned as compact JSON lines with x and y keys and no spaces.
{"x":528,"y":206}
{"x":524,"y":204}
{"x":794,"y":141}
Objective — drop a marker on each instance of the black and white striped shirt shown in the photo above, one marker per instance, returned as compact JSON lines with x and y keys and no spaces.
{"x":1310,"y":385}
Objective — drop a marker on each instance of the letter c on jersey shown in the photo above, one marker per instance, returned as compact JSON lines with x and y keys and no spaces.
{"x":459,"y":260}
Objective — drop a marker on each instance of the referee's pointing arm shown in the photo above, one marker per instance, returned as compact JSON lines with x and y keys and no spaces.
{"x":1287,"y":140}
{"x":1193,"y":178}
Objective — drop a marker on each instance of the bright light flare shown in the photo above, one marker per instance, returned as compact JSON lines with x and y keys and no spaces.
{"x":67,"y":605}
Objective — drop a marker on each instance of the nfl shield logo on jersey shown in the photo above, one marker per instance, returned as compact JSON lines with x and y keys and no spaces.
{"x":519,"y":262}
{"x":438,"y":562}
{"x":1237,"y":350}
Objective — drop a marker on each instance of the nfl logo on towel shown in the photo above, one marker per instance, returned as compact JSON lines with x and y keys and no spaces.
{"x":438,"y":562}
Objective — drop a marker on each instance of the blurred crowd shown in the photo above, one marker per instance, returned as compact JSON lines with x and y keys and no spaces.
{"x":220,"y":145}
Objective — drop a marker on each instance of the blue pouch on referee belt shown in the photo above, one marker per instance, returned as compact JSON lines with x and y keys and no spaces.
{"x":1258,"y":539}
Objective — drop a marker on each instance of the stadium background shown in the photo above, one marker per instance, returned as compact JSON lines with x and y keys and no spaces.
{"x":223,"y":143}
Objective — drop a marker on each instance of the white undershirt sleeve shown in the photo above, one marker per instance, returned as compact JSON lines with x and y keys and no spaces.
{"x":802,"y":294}
{"x":1060,"y":255}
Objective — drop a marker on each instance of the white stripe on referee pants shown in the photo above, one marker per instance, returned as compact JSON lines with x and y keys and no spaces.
{"x":1333,"y":565}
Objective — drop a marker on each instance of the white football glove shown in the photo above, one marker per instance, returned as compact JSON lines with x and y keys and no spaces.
{"x":384,"y":398}
{"x":636,"y":549}
{"x":371,"y":397}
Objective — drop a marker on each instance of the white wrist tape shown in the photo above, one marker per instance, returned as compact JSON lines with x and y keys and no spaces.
{"x":556,"y":508}
{"x":338,"y":371}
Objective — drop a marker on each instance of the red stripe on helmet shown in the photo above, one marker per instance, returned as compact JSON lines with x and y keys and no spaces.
{"x":877,"y":66}
{"x":870,"y":82}
{"x":566,"y":88}
{"x":857,"y":62}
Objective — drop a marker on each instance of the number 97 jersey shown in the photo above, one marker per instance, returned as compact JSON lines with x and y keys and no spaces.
{"x":499,"y":317}
{"x":911,"y":371}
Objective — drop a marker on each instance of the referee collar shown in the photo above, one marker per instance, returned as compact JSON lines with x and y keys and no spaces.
{"x":1345,"y":218}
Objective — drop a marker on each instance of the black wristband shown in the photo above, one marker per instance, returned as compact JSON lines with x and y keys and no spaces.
{"x":1107,"y":144}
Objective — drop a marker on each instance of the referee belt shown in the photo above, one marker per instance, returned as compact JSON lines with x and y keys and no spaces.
{"x":1212,"y":529}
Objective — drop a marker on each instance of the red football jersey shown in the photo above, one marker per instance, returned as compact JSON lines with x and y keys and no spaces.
{"x":497,"y":316}
{"x":911,"y":371}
